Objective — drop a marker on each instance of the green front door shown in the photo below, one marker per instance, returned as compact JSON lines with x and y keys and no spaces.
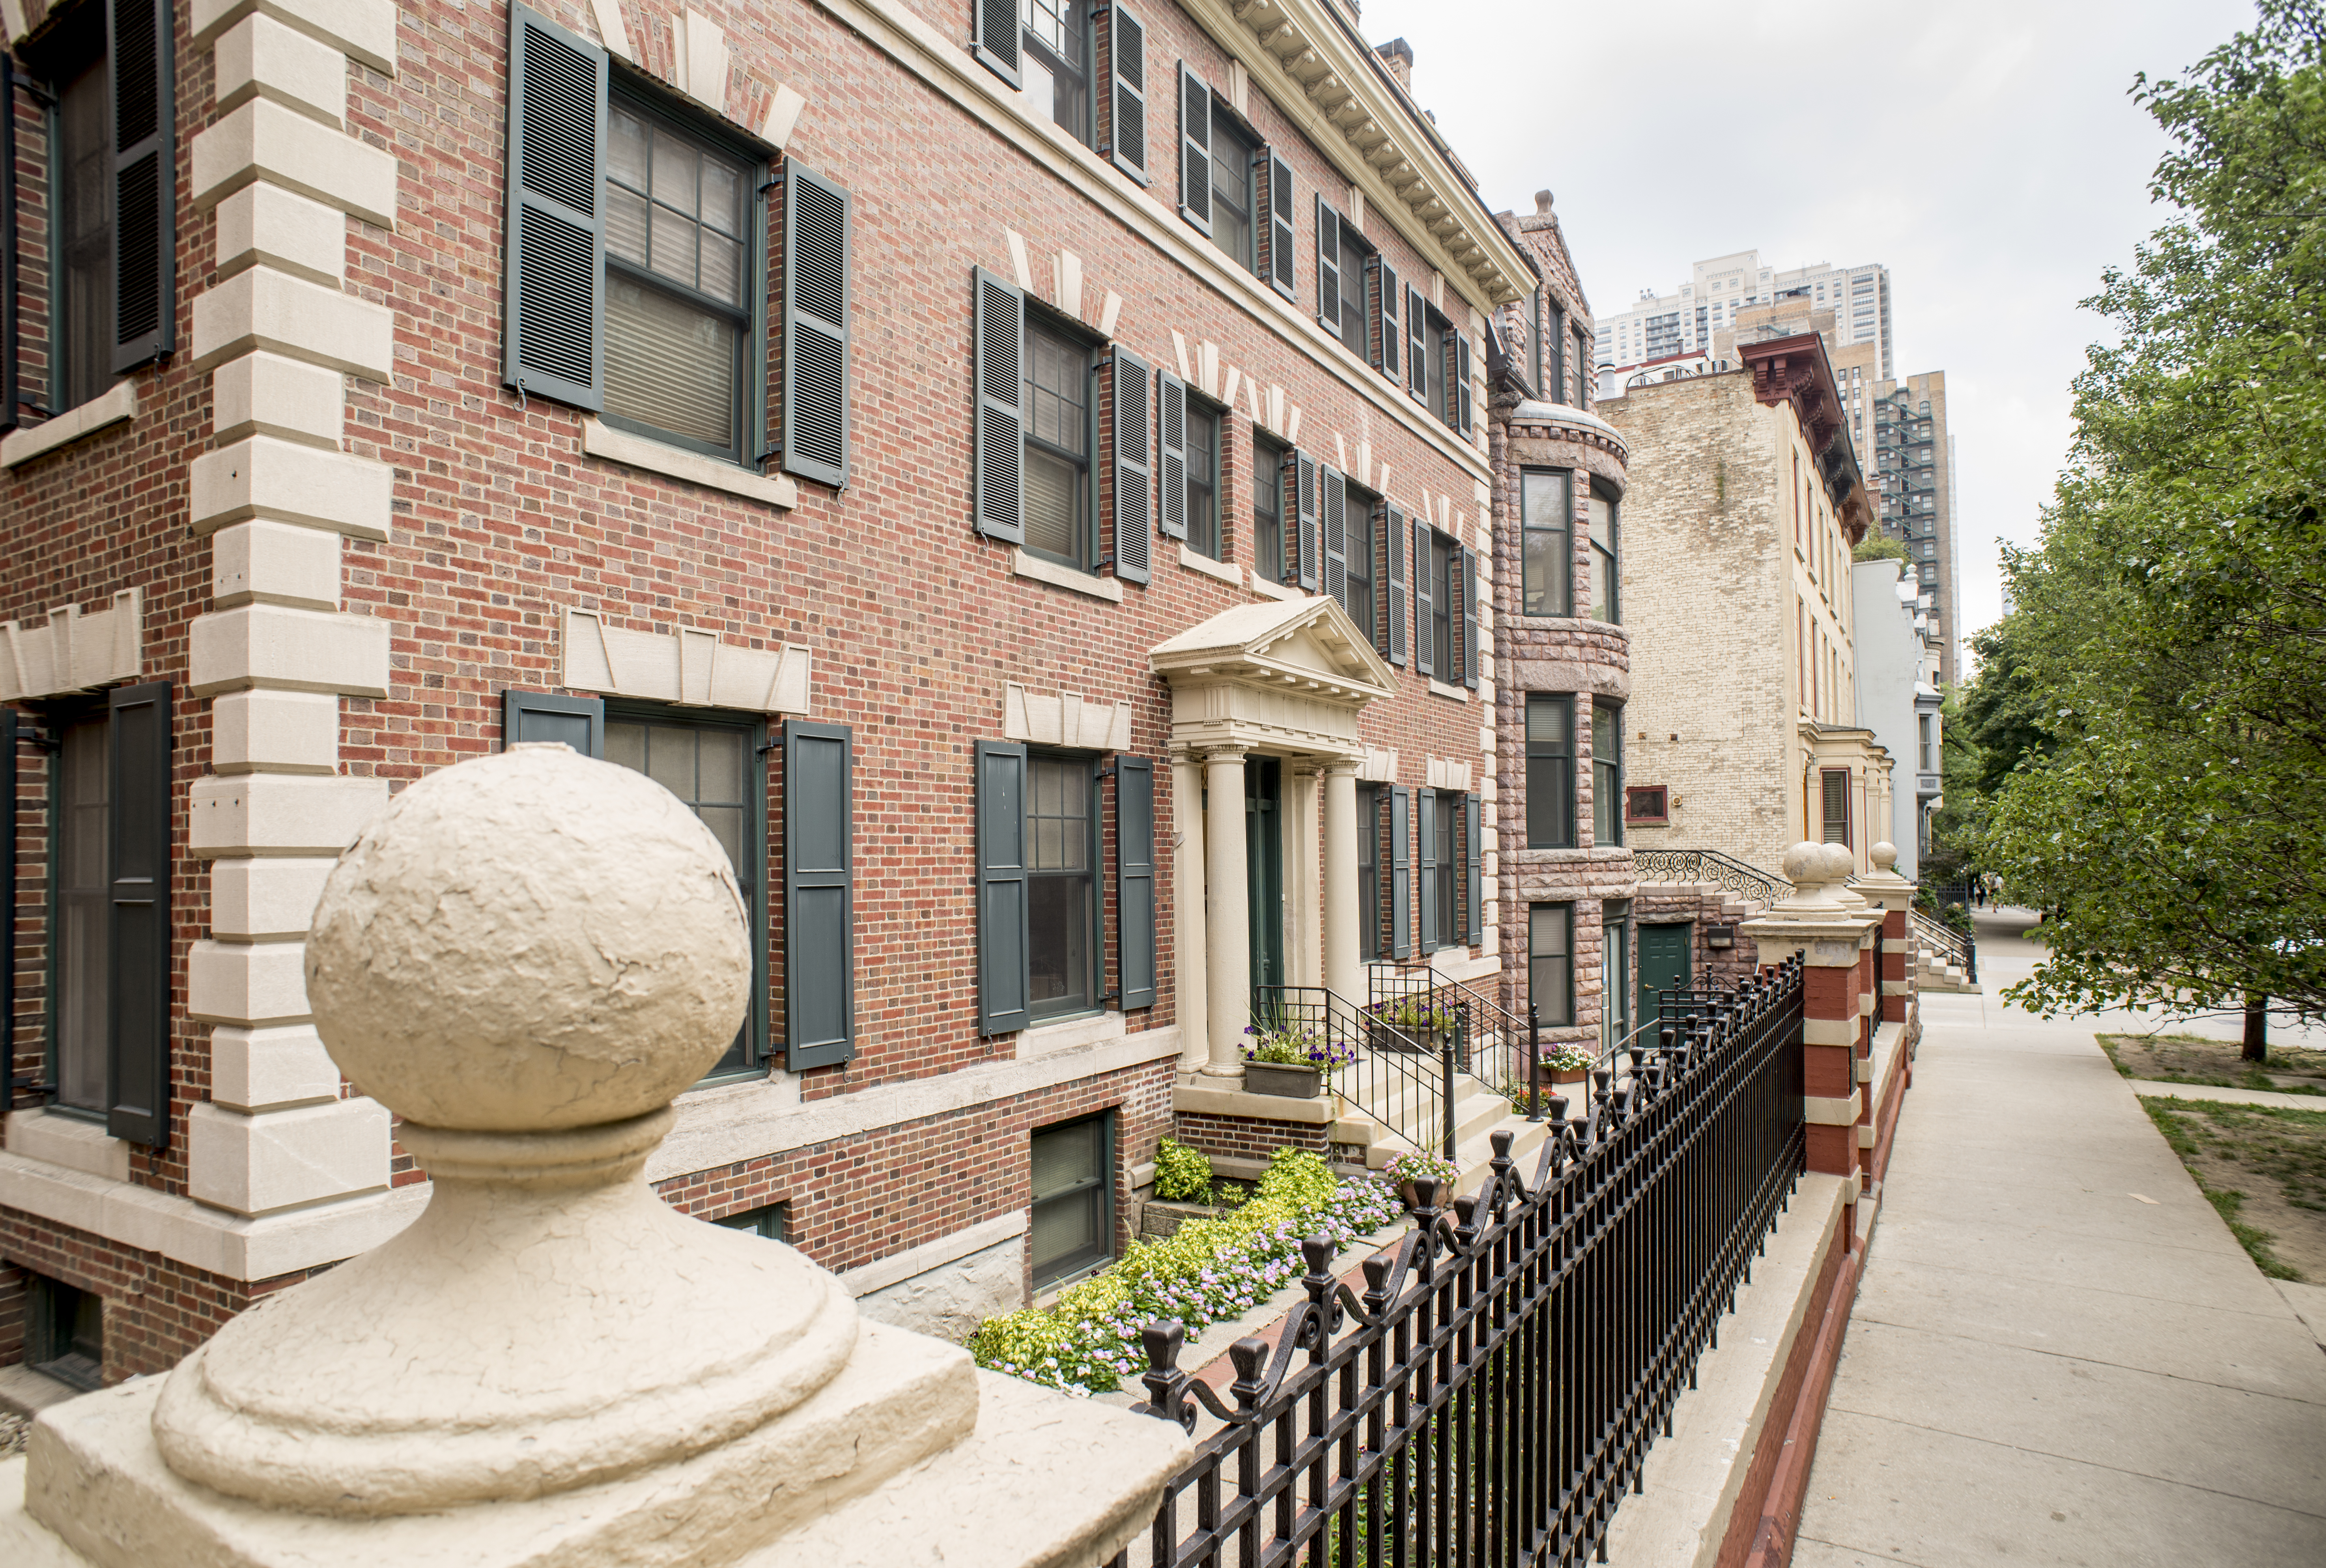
{"x":1664,"y":962}
{"x":1263,"y":852}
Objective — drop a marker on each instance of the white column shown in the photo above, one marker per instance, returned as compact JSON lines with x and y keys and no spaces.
{"x":1342,"y":972}
{"x":1189,"y":970}
{"x":1227,"y":928}
{"x":1304,"y":946}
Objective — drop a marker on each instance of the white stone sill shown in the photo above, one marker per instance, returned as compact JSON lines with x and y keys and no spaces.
{"x":1027,"y":565}
{"x":1438,"y":688}
{"x":1195,"y":561}
{"x":61,"y":1138}
{"x":116,"y":405}
{"x":1069,"y":1035}
{"x":1267,"y":589}
{"x":601,"y":440}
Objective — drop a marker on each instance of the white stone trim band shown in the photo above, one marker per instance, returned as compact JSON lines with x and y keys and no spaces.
{"x":901,"y":1267}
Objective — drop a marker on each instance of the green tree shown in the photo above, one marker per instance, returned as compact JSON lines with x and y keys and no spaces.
{"x":1879,"y":547}
{"x":2159,"y":731}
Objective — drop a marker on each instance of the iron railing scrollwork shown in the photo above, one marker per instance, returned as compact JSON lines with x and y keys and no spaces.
{"x":1491,"y":1394}
{"x":1709,"y":866}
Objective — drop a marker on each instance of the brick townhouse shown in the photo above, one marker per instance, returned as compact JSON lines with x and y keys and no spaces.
{"x":1020,"y":475}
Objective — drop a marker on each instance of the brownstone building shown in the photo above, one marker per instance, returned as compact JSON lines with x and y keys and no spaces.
{"x":941,"y":442}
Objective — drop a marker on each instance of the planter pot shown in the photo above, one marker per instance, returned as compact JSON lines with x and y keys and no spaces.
{"x":1277,"y":1078}
{"x":1576,"y":1077}
{"x":1411,"y":1042}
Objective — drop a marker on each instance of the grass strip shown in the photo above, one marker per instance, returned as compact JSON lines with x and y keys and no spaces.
{"x":2174,"y":1118}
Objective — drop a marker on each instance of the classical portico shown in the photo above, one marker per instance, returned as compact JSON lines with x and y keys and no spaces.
{"x":1281,"y":679}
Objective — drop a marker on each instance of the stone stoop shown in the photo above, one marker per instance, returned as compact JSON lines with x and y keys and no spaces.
{"x":1933,"y":973}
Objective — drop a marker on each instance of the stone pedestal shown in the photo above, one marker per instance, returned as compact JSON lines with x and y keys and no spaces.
{"x":526,"y":957}
{"x":1835,"y":941}
{"x":1894,"y":895}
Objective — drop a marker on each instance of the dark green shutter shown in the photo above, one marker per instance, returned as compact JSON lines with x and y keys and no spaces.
{"x":1004,"y":977}
{"x":137,"y":936}
{"x":815,"y":327}
{"x":1328,"y":267}
{"x":1171,"y":453}
{"x":555,"y":288}
{"x":1386,"y":329}
{"x":1475,"y":876}
{"x":819,"y":895}
{"x":1279,"y":225}
{"x":1195,"y":149}
{"x":1400,"y":872}
{"x":1424,"y":658}
{"x":1534,"y":337}
{"x":1127,"y":71}
{"x":1134,"y":877}
{"x":1304,"y":503}
{"x":1555,"y":340}
{"x":1000,"y":439}
{"x":141,"y":62}
{"x":1461,"y":383}
{"x":1470,"y":618}
{"x":1416,"y":346}
{"x":579,"y":722}
{"x":1395,"y":537}
{"x":1433,"y":929}
{"x":993,"y":37}
{"x":1334,"y":523}
{"x":1133,"y":471}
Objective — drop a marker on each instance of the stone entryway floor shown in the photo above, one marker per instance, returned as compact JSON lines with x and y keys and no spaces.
{"x":2059,"y":1353}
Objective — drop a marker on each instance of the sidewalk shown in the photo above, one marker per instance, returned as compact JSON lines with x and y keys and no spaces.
{"x":2059,"y":1354}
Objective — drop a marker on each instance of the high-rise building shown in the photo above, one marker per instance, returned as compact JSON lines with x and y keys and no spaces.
{"x":1913,"y":476}
{"x":1660,"y":326}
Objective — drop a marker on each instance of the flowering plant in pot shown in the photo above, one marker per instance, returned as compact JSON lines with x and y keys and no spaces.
{"x":1407,"y":1167}
{"x":1292,"y":1059}
{"x":1569,"y":1062}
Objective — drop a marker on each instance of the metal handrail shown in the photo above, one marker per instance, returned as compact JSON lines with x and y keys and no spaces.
{"x":1724,"y":871}
{"x":1408,"y":1079}
{"x":1960,"y":948}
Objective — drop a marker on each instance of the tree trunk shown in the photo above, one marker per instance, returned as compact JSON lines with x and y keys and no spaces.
{"x":2257,"y":1028}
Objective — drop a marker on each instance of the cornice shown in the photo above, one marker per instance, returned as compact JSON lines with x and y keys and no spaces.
{"x":1344,"y":98}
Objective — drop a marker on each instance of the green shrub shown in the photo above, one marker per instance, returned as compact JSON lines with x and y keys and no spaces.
{"x":1182,"y":1175}
{"x":1207,"y":1271}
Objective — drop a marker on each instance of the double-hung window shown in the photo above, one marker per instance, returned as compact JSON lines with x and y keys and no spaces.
{"x":1834,"y":800}
{"x":1607,"y":774}
{"x":640,"y":264}
{"x":677,"y":257}
{"x":1266,"y":511}
{"x":1550,"y":963}
{"x":1547,"y":554}
{"x":1233,"y":227}
{"x":1607,"y":603}
{"x":1042,"y":953}
{"x":1057,"y":65}
{"x":1061,"y":885}
{"x":1073,"y":1221}
{"x":1343,"y":270}
{"x":1204,"y":425}
{"x":1444,"y":607}
{"x":1550,"y":770}
{"x":1057,"y":468}
{"x":92,"y":176}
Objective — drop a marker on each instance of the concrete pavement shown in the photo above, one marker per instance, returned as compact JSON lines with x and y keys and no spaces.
{"x":2059,"y":1354}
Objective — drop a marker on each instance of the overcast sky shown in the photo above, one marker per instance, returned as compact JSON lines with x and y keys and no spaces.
{"x":1983,"y":150}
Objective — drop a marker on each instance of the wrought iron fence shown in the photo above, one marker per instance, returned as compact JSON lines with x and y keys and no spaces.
{"x":1402,"y":1078}
{"x":1491,"y":1394}
{"x":1709,"y":866}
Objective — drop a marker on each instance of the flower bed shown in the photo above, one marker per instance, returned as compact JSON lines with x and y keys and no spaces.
{"x":1206,"y":1272}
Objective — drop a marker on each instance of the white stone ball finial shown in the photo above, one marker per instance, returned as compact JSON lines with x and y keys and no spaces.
{"x":1803,"y":864}
{"x":529,"y":941}
{"x":1884,"y":856}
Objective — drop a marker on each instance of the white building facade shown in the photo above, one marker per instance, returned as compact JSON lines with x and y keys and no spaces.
{"x":1683,"y":322}
{"x":1898,"y":699}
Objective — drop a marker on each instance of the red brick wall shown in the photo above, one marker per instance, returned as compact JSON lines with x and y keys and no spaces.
{"x":1249,"y":1137}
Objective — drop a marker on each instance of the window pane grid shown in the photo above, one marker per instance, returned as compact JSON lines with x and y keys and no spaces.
{"x":1547,"y":510}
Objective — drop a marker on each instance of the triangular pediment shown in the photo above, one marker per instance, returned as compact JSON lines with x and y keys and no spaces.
{"x":1308,"y":643}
